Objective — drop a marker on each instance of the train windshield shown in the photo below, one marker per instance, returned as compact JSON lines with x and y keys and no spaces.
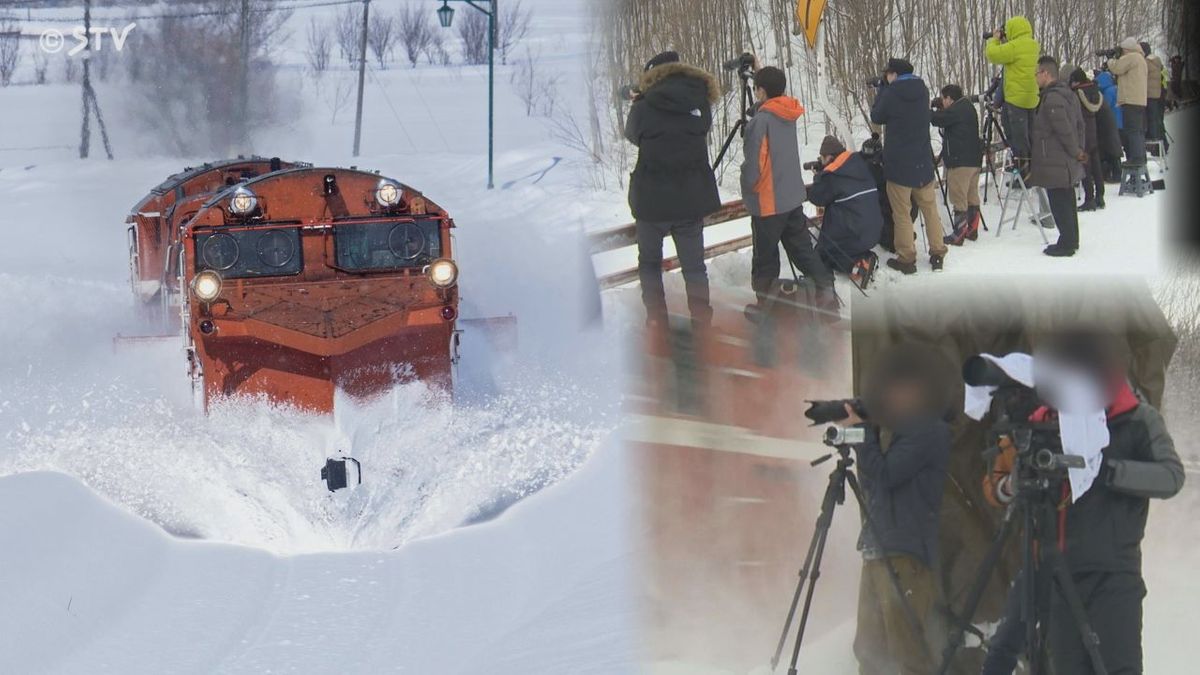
{"x":250,"y":253}
{"x":387,"y":245}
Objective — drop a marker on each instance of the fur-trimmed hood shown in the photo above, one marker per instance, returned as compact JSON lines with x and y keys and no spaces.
{"x":658,"y":74}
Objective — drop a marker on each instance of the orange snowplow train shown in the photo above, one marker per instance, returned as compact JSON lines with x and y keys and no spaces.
{"x":292,"y":282}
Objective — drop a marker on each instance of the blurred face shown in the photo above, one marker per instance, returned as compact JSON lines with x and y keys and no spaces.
{"x":947,"y":101}
{"x":904,"y":398}
{"x":760,"y":94}
{"x":890,"y":77}
{"x":1043,"y":78}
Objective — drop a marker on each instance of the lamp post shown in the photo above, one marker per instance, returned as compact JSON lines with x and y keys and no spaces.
{"x":445,"y":15}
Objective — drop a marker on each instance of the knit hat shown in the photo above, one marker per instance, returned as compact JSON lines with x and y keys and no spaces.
{"x":1130,"y":45}
{"x":665,"y":57}
{"x":832,"y":147}
{"x":1077,"y":75}
{"x":898,"y":66}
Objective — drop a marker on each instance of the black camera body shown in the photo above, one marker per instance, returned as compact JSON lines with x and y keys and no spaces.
{"x":814,"y":166}
{"x":876,"y":82}
{"x":988,"y":35}
{"x":743,"y":64}
{"x":1111,"y":53}
{"x":629,"y":92}
{"x":936,"y":103}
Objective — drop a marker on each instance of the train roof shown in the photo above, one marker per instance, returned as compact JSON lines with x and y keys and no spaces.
{"x":302,"y":168}
{"x":188,"y":173}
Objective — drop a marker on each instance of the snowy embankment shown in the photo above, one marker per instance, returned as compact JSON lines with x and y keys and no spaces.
{"x":95,"y":590}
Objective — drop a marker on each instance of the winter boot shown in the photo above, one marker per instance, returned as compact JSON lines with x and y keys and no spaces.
{"x":901,"y":266}
{"x":936,"y":262}
{"x":862,"y":273}
{"x":958,"y":229}
{"x":1088,"y":205}
{"x":974,"y":218}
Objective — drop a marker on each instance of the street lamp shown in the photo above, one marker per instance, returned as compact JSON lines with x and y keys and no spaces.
{"x":445,"y":18}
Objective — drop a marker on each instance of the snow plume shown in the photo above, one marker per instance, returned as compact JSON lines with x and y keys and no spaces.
{"x":248,"y":473}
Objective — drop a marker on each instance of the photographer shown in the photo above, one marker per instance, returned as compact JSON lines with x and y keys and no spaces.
{"x":902,"y":106}
{"x":852,"y":221}
{"x":1111,"y":161}
{"x":962,"y":153}
{"x":1100,"y":533}
{"x":1015,"y":49}
{"x":773,"y":191}
{"x":672,"y":186}
{"x":1056,"y":165}
{"x":1155,"y":98}
{"x":1130,"y":71}
{"x":903,"y":478}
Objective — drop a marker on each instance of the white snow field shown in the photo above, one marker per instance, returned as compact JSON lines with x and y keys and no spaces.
{"x":109,"y":476}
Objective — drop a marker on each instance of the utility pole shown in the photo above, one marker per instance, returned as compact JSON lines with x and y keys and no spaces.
{"x":90,"y":103}
{"x":362,"y":74}
{"x":243,"y":108}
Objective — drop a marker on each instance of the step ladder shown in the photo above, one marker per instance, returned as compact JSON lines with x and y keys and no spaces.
{"x":1017,"y":196}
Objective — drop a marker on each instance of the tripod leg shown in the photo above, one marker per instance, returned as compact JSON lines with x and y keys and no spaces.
{"x":812,"y":587}
{"x":975,"y":595}
{"x":1066,"y":586}
{"x":804,"y":571}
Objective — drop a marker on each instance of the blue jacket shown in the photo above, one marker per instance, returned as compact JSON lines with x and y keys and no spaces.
{"x":904,"y":488}
{"x":903,"y":107}
{"x":1108,"y":87}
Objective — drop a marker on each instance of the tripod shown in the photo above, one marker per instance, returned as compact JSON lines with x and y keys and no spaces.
{"x":991,"y":129}
{"x":1042,"y":563}
{"x":746,"y":74}
{"x":835,"y":493}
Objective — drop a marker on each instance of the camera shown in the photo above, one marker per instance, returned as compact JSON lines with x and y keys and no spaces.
{"x":1111,"y":53}
{"x":824,"y":412}
{"x":876,"y":82}
{"x":629,"y":91}
{"x":745,"y":62}
{"x":936,"y":103}
{"x":988,"y":35}
{"x":835,"y":436}
{"x":814,"y":166}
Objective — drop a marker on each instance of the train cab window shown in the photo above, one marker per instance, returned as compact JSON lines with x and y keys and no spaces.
{"x":250,"y":253}
{"x":387,"y":245}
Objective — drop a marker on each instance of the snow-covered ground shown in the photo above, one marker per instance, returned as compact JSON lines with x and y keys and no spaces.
{"x":107,"y":472}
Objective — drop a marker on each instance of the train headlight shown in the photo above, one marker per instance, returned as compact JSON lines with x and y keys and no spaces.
{"x":242,"y":202}
{"x":387,"y":193}
{"x":207,"y":285}
{"x":442,"y":273}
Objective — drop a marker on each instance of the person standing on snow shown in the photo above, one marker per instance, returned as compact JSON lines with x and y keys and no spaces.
{"x":672,"y":187}
{"x":1092,"y":106}
{"x":962,"y":153}
{"x":1056,"y":164}
{"x":902,"y":106}
{"x":1014,"y":48}
{"x":1130,"y":71}
{"x":773,"y":191}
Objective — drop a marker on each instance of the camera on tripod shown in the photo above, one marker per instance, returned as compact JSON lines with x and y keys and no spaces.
{"x":837,"y":437}
{"x":813,"y":166}
{"x":743,"y":64}
{"x":1111,"y":53}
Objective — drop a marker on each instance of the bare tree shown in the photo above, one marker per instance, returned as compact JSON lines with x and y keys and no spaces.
{"x":537,"y":89}
{"x":10,"y":50}
{"x":382,"y":36}
{"x":416,"y":33}
{"x":348,"y":31}
{"x":473,"y":33}
{"x":512,"y":25}
{"x":41,"y":65}
{"x":337,"y":98}
{"x":435,"y":52}
{"x":318,"y":47}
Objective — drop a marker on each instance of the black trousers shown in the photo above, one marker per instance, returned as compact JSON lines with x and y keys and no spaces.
{"x":688,"y":236}
{"x":1093,"y":177}
{"x":1154,"y":130}
{"x":790,"y":229}
{"x":1017,"y":123}
{"x":1062,"y":205}
{"x":1134,"y":119}
{"x":1113,"y":601}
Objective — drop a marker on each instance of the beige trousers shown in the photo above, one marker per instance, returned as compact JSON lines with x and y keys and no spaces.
{"x":901,"y":197}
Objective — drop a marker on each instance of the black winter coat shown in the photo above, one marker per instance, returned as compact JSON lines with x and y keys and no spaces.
{"x":1090,"y":102}
{"x":903,"y":107}
{"x":1108,"y":135}
{"x":853,"y":221}
{"x":1104,"y":528}
{"x":961,"y":146}
{"x":669,"y":123}
{"x":904,"y":488}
